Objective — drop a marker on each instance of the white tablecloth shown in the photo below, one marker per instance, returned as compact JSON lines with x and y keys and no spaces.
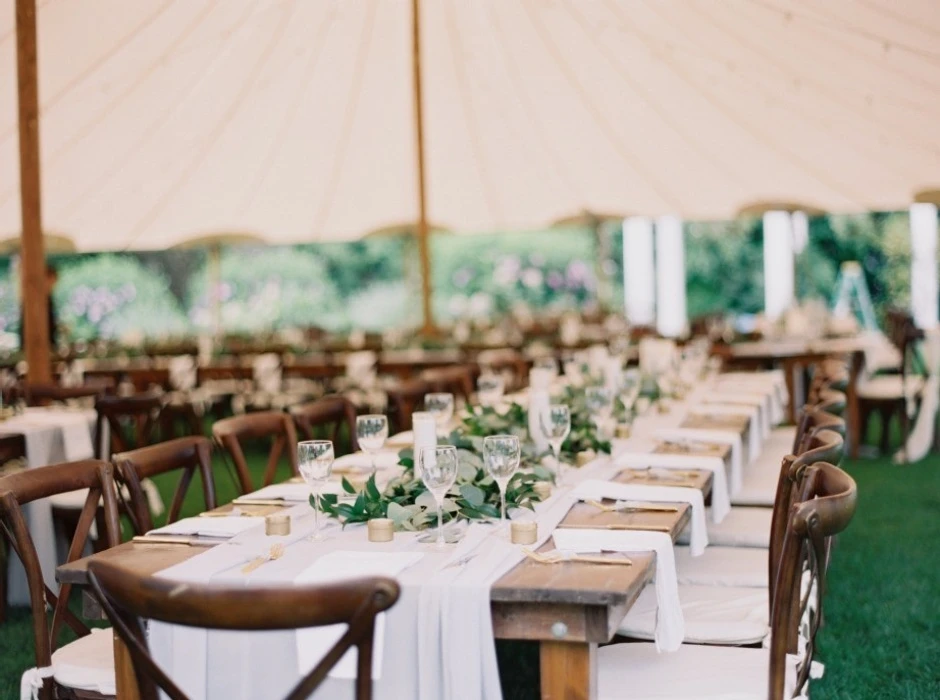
{"x":52,"y":435}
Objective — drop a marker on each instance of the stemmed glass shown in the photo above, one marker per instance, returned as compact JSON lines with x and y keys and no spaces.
{"x":490,"y":388}
{"x":555,"y":422}
{"x":630,"y":390}
{"x":315,"y":461}
{"x":501,"y":455}
{"x":547,"y":363}
{"x":371,"y":433}
{"x":441,"y":406}
{"x":600,"y":401}
{"x":437,"y":467}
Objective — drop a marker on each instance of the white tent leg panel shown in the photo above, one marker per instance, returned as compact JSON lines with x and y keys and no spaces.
{"x":924,"y":265}
{"x":671,"y":317}
{"x":638,"y":265}
{"x":778,"y":264}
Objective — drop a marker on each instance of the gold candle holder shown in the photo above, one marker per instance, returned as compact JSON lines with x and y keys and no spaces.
{"x":584,"y":457}
{"x":543,"y":489}
{"x":276,"y":525}
{"x":381,"y":530}
{"x":524,"y":531}
{"x":663,"y":406}
{"x":624,"y":431}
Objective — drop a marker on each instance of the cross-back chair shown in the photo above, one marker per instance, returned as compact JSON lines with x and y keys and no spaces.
{"x":231,"y":433}
{"x":824,"y":508}
{"x":88,"y":656}
{"x":131,"y":421}
{"x":12,"y":460}
{"x":404,"y":399}
{"x":128,"y":598}
{"x":330,"y":415}
{"x":46,"y":394}
{"x":187,"y":455}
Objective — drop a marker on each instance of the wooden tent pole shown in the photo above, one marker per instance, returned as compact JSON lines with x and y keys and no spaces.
{"x":33,"y":261}
{"x":424,"y":252}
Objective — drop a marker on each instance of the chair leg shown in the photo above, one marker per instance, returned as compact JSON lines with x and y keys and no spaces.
{"x":886,"y":415}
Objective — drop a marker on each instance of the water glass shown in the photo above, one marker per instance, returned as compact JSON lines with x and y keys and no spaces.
{"x":441,"y":406}
{"x":501,"y":455}
{"x":437,"y":467}
{"x":600,"y":401}
{"x":490,"y":388}
{"x":555,"y":422}
{"x":315,"y":461}
{"x":371,"y":433}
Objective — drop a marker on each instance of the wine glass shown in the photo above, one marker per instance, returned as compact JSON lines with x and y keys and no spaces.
{"x":441,"y":406}
{"x":501,"y":455}
{"x":630,"y":390}
{"x":372,"y":432}
{"x":600,"y":401}
{"x":546,"y":363}
{"x":490,"y":388}
{"x":437,"y":467}
{"x":555,"y":422}
{"x":315,"y":461}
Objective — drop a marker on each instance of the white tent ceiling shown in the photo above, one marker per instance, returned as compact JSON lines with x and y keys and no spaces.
{"x":165,"y":120}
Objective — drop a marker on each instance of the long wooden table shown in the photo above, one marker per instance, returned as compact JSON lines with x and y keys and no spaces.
{"x":568,"y":608}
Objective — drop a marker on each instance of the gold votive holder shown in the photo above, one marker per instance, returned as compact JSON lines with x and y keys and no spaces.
{"x":663,"y":405}
{"x":543,"y":489}
{"x":524,"y":531}
{"x":624,"y":431}
{"x":381,"y":530}
{"x":276,"y":525}
{"x":584,"y":457}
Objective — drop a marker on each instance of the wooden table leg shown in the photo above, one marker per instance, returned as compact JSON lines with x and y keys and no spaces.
{"x":568,"y":670}
{"x":125,"y":679}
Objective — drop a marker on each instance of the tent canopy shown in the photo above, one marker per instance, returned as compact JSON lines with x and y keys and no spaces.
{"x":164,"y":119}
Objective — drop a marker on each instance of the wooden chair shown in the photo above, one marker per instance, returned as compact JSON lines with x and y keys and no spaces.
{"x":56,"y":667}
{"x":230,"y":433}
{"x":186,"y":454}
{"x":132,"y":421}
{"x":455,"y":379}
{"x":128,"y":598}
{"x":404,"y":399}
{"x":331,"y":413}
{"x":825,"y":507}
{"x":12,"y":461}
{"x":46,"y":394}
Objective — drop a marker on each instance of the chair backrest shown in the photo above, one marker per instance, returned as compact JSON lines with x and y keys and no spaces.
{"x":19,"y":489}
{"x":454,"y":379}
{"x":132,"y":421}
{"x":186,"y":454}
{"x":825,"y":507}
{"x":127,"y":598}
{"x":332,"y":413}
{"x":404,"y":399}
{"x":231,"y":433}
{"x":45,"y":394}
{"x":823,"y":446}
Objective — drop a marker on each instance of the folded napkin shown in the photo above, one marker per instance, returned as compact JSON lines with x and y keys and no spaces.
{"x":291,"y":493}
{"x":721,"y":494}
{"x":403,"y":439}
{"x":755,"y":436}
{"x":313,"y":643}
{"x":223,"y":528}
{"x":595,"y":489}
{"x":670,"y":624}
{"x":721,"y":437}
{"x":759,"y":401}
{"x":384,"y":459}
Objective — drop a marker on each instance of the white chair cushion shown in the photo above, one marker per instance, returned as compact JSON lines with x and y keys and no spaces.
{"x":742,"y":527}
{"x":889,"y":386}
{"x":759,"y":488}
{"x":639,"y":672}
{"x":713,"y":615}
{"x":87,"y":663}
{"x":724,"y":566}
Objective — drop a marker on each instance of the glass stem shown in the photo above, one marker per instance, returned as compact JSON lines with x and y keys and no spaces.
{"x":440,"y":524}
{"x":502,"y":507}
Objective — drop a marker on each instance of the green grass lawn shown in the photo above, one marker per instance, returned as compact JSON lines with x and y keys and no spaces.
{"x":882,"y":613}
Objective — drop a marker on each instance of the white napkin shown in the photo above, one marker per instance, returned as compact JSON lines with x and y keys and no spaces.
{"x":222,"y":528}
{"x":754,"y":434}
{"x":401,"y":440}
{"x":721,"y":495}
{"x":596,"y":489}
{"x":721,"y":437}
{"x":670,"y":624}
{"x":291,"y":493}
{"x":384,"y":459}
{"x":759,"y":401}
{"x":314,"y":642}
